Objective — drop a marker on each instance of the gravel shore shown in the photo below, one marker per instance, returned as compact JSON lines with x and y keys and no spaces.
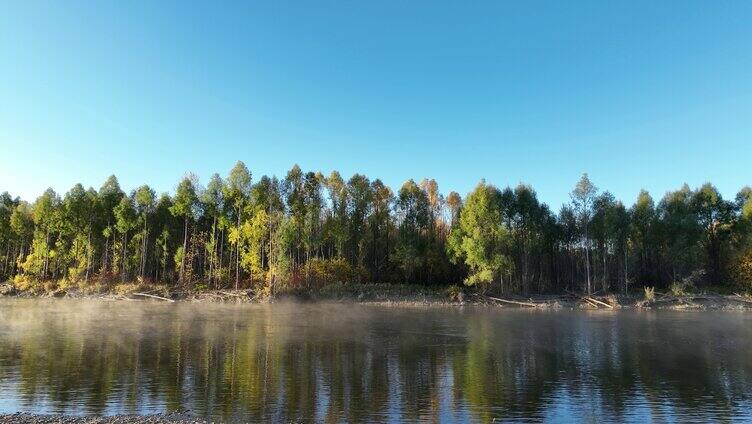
{"x":116,"y":419}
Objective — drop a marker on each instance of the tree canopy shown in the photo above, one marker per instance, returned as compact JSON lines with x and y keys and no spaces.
{"x":308,"y":229}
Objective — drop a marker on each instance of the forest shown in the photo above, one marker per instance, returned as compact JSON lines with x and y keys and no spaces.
{"x":307,"y":230}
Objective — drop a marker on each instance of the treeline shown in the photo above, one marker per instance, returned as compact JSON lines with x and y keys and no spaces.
{"x":309,"y":229}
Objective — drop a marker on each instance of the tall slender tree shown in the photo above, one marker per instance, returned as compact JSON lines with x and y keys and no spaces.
{"x":583,"y":197}
{"x":183,"y":206}
{"x":237,"y":193}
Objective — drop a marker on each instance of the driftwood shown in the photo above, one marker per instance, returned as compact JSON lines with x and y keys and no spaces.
{"x":590,"y":300}
{"x":597,"y":302}
{"x":153,"y":296}
{"x":514,"y":302}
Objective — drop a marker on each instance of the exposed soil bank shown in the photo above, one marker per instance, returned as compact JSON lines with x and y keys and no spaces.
{"x":401,"y":295}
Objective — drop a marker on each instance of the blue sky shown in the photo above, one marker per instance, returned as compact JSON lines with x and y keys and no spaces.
{"x":638,"y":94}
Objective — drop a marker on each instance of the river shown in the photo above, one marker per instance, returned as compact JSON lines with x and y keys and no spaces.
{"x":366,"y":363}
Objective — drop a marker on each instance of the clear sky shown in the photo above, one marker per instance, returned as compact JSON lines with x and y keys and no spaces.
{"x":639,"y":94}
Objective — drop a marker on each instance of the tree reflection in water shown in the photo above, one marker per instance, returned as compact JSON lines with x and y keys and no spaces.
{"x":355,"y":363}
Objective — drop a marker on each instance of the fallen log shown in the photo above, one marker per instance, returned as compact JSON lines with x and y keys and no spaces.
{"x":590,"y":300}
{"x":597,"y":302}
{"x":514,"y":302}
{"x":154,"y":296}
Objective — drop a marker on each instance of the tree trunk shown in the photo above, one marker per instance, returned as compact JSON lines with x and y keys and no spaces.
{"x":237,"y":254}
{"x":214,"y":250}
{"x":185,"y":250}
{"x":605,"y":268}
{"x":626,"y":273}
{"x":6,"y":262}
{"x":88,"y":254}
{"x":46,"y":253}
{"x":587,"y":261}
{"x":221,"y":254}
{"x":144,"y":251}
{"x":122,"y":259}
{"x":106,"y":249}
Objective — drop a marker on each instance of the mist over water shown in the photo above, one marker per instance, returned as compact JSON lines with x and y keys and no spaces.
{"x":361,"y":363}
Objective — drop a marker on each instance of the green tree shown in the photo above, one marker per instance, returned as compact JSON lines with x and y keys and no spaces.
{"x":338,"y":218}
{"x":46,"y":211}
{"x":183,"y":205}
{"x":679,"y":231}
{"x":22,"y":225}
{"x":78,"y":209}
{"x":714,"y":217}
{"x":237,"y":192}
{"x":7,"y":239}
{"x":643,"y":221}
{"x":480,"y":237}
{"x":125,"y":221}
{"x":145,"y":206}
{"x":379,"y":229}
{"x":313,"y":203}
{"x":109,"y":197}
{"x":583,"y":197}
{"x":266,"y":196}
{"x":212,"y":200}
{"x":414,"y":217}
{"x":360,"y":197}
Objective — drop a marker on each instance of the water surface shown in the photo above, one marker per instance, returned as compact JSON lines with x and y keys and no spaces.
{"x":360,"y":363}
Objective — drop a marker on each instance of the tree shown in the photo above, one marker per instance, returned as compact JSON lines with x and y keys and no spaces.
{"x":78,"y":209}
{"x":714,"y":217}
{"x":144,"y":199}
{"x":454,"y":202}
{"x":379,"y":228}
{"x":359,"y":207}
{"x":166,"y":231}
{"x":22,"y":225}
{"x":237,"y":191}
{"x":583,"y":197}
{"x":125,"y":221}
{"x":183,"y":206}
{"x":109,"y":197}
{"x":480,"y":237}
{"x":266,"y":196}
{"x":642,"y":223}
{"x":333,"y":230}
{"x":525,"y":220}
{"x":313,"y":203}
{"x":7,"y":204}
{"x":679,"y":231}
{"x":212,"y":200}
{"x":414,"y":216}
{"x":46,"y":212}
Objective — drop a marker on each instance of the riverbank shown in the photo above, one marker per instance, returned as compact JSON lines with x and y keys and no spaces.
{"x":396,"y":295}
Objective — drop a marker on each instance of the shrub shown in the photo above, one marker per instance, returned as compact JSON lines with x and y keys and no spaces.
{"x":649,"y":293}
{"x":677,"y":288}
{"x":327,"y":271}
{"x":24,"y":282}
{"x":741,"y":271}
{"x":455,"y":293}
